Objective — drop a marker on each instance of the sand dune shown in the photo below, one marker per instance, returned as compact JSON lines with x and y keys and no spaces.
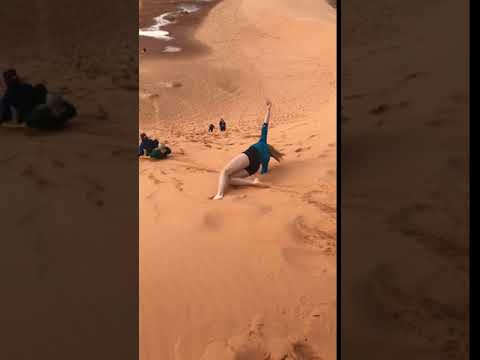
{"x":61,"y":198}
{"x":405,"y":139}
{"x":255,"y":273}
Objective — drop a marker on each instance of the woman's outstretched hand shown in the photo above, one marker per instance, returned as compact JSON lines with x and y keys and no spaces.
{"x":269,"y":104}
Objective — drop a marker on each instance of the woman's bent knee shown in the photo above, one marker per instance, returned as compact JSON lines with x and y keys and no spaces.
{"x":226,"y":171}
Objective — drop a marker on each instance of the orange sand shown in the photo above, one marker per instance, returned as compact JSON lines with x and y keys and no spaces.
{"x":254,"y":273}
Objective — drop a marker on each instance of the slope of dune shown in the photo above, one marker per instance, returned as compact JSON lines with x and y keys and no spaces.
{"x":405,"y":98}
{"x":64,"y":194}
{"x":255,"y":273}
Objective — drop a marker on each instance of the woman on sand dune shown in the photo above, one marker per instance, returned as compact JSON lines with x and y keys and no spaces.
{"x":249,"y":162}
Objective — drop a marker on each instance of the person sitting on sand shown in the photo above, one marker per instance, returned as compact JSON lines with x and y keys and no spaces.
{"x":53,"y":114}
{"x":249,"y":162}
{"x":222,"y":125}
{"x":152,"y":148}
{"x":211,"y":128}
{"x":32,"y":106}
{"x":147,"y":145}
{"x":19,"y":98}
{"x":161,"y":152}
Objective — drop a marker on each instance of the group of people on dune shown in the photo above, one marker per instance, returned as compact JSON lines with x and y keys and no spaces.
{"x":222,"y":125}
{"x":25,"y":105}
{"x":240,"y":168}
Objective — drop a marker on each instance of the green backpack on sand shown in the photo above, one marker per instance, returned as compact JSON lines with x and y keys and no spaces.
{"x":158,"y":154}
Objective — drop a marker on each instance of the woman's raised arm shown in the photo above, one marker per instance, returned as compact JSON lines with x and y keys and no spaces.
{"x":267,"y":115}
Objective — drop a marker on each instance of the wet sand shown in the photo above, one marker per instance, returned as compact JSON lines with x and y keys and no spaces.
{"x":181,"y":27}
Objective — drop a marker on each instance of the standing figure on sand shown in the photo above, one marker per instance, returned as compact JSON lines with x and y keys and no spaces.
{"x":222,"y":125}
{"x":249,"y":162}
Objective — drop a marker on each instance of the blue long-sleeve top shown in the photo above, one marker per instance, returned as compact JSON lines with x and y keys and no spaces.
{"x":262,"y":148}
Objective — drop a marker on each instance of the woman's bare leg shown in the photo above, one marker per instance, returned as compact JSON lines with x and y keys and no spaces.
{"x":236,"y":181}
{"x":238,"y":163}
{"x":239,"y":179}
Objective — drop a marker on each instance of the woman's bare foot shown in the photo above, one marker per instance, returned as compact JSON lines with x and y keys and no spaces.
{"x":258,"y":183}
{"x":216,"y":197}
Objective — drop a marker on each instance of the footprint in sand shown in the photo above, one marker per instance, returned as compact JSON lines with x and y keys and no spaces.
{"x":178,"y":184}
{"x":354,"y":96}
{"x":8,"y":158}
{"x":102,"y":114}
{"x":267,"y":209}
{"x":322,"y":239}
{"x":344,"y":119}
{"x":380,"y":109}
{"x":305,"y":260}
{"x":383,"y":108}
{"x":58,"y":164}
{"x":440,"y":122}
{"x":301,"y":149}
{"x":40,"y":181}
{"x":414,"y":75}
{"x":84,"y":156}
{"x":324,"y":201}
{"x":213,"y":220}
{"x":93,"y":198}
{"x":240,"y":197}
{"x":151,"y":195}
{"x":155,"y":180}
{"x":198,"y":169}
{"x":388,"y":301}
{"x":254,"y":345}
{"x":29,"y":217}
{"x":419,"y":222}
{"x":459,"y":98}
{"x":95,"y":191}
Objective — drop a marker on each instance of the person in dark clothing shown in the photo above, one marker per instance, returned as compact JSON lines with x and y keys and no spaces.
{"x":211,"y":127}
{"x":152,"y":148}
{"x":222,"y":124}
{"x":52,"y":115}
{"x":5,"y":111}
{"x":161,"y":152}
{"x":19,"y":96}
{"x":146,"y":145}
